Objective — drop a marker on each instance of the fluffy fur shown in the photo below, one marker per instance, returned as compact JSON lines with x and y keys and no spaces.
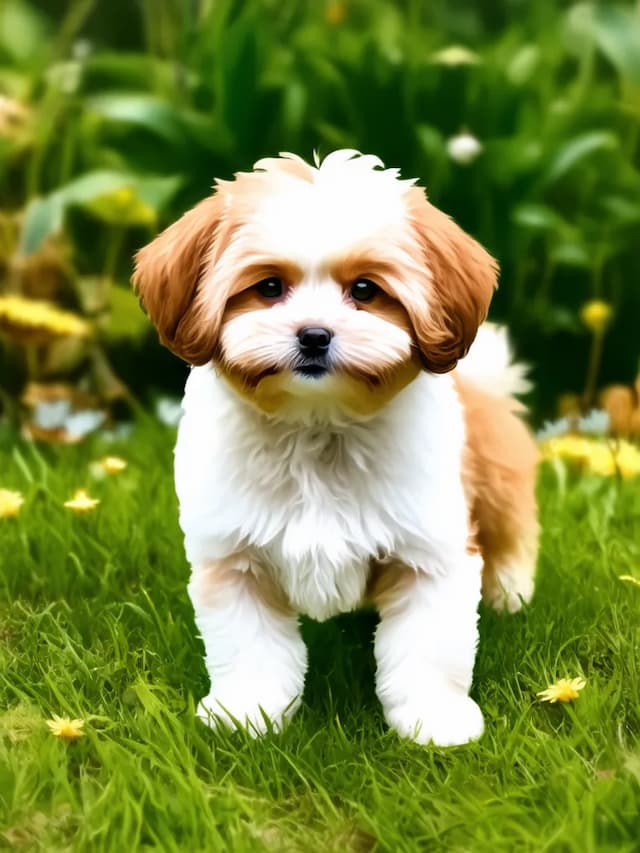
{"x":386,"y":476}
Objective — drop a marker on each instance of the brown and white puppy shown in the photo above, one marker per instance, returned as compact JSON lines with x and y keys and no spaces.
{"x":330,"y":453}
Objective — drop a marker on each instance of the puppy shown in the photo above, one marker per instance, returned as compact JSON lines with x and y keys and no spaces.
{"x":330,"y":454}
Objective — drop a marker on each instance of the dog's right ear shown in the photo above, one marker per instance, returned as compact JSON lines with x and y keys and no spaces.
{"x":166,"y":277}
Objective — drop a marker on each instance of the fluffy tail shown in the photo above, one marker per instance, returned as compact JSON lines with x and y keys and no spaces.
{"x":489,"y":364}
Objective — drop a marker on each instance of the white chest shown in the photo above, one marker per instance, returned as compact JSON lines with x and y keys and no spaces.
{"x":314,"y":505}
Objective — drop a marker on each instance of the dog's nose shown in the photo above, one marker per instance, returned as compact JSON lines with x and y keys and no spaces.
{"x":314,"y":340}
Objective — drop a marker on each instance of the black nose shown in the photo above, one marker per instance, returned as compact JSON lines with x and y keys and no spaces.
{"x":314,"y":340}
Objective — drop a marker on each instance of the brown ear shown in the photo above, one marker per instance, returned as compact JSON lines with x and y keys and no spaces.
{"x":166,"y":277}
{"x":463,"y":277}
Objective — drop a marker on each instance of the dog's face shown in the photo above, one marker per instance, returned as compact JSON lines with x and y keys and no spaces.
{"x":317,"y":289}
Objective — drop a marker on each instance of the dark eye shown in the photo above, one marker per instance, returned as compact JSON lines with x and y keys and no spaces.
{"x":270,"y":288}
{"x":363,"y":290}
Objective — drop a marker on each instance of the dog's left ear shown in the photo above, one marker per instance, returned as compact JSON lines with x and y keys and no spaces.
{"x":462,"y":276}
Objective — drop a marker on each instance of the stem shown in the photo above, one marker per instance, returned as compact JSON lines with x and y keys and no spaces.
{"x":112,"y":251}
{"x":595,"y":357}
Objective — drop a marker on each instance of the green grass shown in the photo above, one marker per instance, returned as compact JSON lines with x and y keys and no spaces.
{"x":95,"y":622}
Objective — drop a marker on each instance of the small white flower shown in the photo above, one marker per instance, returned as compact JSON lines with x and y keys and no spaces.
{"x":463,"y":148}
{"x":82,"y":423}
{"x":51,"y":414}
{"x":552,"y":429}
{"x":168,"y":411}
{"x":595,"y":422}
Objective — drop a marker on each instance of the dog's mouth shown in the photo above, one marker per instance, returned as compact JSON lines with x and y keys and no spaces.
{"x":311,"y":368}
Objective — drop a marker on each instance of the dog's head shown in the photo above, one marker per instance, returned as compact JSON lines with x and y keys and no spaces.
{"x":327,"y":286}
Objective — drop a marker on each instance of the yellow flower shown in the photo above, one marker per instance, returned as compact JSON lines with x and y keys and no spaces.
{"x":112,"y":464}
{"x":564,"y":690}
{"x":10,"y":503}
{"x":14,"y":115}
{"x":629,"y":579}
{"x":122,"y":207}
{"x":335,"y":13}
{"x":595,"y":456}
{"x":628,"y":460}
{"x":596,"y":315}
{"x":65,"y":728}
{"x":20,"y":317}
{"x":81,"y":502}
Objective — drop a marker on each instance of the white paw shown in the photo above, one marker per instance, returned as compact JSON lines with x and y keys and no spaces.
{"x":247,"y":708}
{"x":445,"y":719}
{"x":509,"y":589}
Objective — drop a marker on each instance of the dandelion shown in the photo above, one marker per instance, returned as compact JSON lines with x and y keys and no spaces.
{"x":628,"y":460}
{"x":82,"y":502}
{"x":596,"y":315}
{"x":605,"y":460}
{"x":65,"y":728}
{"x":112,"y":464}
{"x":23,"y":318}
{"x":10,"y":503}
{"x":564,"y":690}
{"x":463,"y":148}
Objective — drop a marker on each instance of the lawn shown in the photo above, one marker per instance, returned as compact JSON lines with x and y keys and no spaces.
{"x":96,"y":624}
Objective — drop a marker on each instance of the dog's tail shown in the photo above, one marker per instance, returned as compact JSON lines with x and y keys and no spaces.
{"x":490,"y":364}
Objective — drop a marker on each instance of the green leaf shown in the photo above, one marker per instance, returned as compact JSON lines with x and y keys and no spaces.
{"x":573,"y":152}
{"x":617,"y":33}
{"x":121,"y":208}
{"x":537,"y":217}
{"x":621,"y":209}
{"x":90,"y":185}
{"x":523,"y":64}
{"x":571,"y":254}
{"x":151,"y":113}
{"x":133,"y":71}
{"x":157,"y":191}
{"x":43,"y":216}
{"x":117,"y":197}
{"x":127,"y":319}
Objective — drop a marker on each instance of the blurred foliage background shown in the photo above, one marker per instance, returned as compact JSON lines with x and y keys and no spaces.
{"x":521,"y":118}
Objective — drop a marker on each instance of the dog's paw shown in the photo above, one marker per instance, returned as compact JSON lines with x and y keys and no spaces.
{"x":509,"y":587}
{"x":446,"y":719}
{"x":255,"y":710}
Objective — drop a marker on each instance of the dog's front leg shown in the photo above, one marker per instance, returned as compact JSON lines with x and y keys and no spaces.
{"x":255,"y":655}
{"x":425,"y":648}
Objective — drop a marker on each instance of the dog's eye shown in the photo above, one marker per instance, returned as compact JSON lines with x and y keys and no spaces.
{"x":270,"y":288}
{"x":363,"y":290}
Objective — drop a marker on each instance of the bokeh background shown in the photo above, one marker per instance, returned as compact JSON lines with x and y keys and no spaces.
{"x":521,"y":118}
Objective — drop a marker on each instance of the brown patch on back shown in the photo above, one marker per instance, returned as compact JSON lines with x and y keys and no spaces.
{"x":499,"y":477}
